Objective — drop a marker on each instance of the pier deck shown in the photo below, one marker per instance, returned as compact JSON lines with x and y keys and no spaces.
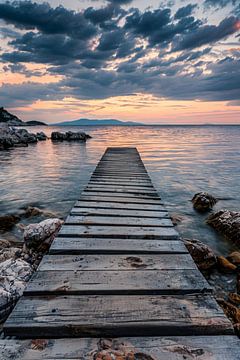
{"x":118,"y":268}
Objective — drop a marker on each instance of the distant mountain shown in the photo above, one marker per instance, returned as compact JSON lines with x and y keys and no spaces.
{"x":92,"y":122}
{"x":13,"y":120}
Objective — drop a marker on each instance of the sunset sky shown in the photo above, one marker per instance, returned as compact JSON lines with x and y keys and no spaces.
{"x":166,"y":62}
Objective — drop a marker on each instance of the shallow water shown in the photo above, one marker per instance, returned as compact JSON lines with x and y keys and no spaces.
{"x":181,"y":161}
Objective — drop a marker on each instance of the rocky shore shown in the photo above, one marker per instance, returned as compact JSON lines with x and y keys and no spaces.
{"x":69,"y":136}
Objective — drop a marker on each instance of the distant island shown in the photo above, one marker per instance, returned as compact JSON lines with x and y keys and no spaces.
{"x":12,"y":120}
{"x":93,"y":122}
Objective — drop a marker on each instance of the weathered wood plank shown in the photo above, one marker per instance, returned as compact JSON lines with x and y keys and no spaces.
{"x":127,"y":195}
{"x":118,"y":212}
{"x":114,"y":190}
{"x":127,"y":232}
{"x":116,"y":220}
{"x":105,"y":197}
{"x":75,"y":245}
{"x":129,"y":184}
{"x":129,"y":179}
{"x":157,"y":208}
{"x":222,"y":347}
{"x":111,"y":316}
{"x":117,"y":262}
{"x":129,"y":282}
{"x":103,"y":186}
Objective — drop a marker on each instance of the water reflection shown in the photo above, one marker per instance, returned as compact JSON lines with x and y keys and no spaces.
{"x":181,"y":160}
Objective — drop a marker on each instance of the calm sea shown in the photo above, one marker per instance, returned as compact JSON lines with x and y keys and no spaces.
{"x":181,"y":161}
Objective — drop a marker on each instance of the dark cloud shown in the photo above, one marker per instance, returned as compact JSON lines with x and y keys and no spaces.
{"x":207,"y":34}
{"x":219,"y":3}
{"x":185,"y":11}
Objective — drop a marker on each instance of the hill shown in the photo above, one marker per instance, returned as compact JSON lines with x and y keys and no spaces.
{"x":93,"y":122}
{"x":13,"y":120}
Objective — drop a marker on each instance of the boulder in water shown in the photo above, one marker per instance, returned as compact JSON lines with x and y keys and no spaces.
{"x":227,"y":223}
{"x":203,"y":201}
{"x":69,"y":136}
{"x":14,"y":276}
{"x":41,"y":136}
{"x":11,"y":137}
{"x":225,"y":265}
{"x":39,"y":236}
{"x":234,"y":257}
{"x":202,"y":254}
{"x":8,"y":221}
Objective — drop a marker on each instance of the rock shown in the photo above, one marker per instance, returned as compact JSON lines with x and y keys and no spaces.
{"x":4,"y":243}
{"x":8,"y":253}
{"x":34,"y":211}
{"x":230,"y":310}
{"x":41,"y":136}
{"x":69,"y":136}
{"x":234,"y":257}
{"x":11,"y":137}
{"x":234,"y":298}
{"x":225,"y":265}
{"x":201,"y":254}
{"x":8,"y":221}
{"x":176,"y":218}
{"x":227,"y":223}
{"x":39,"y":236}
{"x":203,"y":201}
{"x":14,"y":276}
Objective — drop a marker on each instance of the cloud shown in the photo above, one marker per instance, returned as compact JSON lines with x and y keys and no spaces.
{"x":207,"y":34}
{"x":219,"y":3}
{"x":185,"y":11}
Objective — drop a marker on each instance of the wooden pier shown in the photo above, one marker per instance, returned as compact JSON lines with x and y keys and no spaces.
{"x":118,"y":282}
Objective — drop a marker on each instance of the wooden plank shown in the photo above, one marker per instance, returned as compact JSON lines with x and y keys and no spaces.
{"x":128,"y":282}
{"x":75,"y":245}
{"x":120,"y":205}
{"x":103,"y":186}
{"x":115,"y":190}
{"x":127,"y":232}
{"x":125,"y":195}
{"x":116,"y":220}
{"x":129,"y":179}
{"x":118,"y":212}
{"x":117,"y":262}
{"x":111,"y":316}
{"x":222,"y":347}
{"x":119,"y":199}
{"x":120,"y":183}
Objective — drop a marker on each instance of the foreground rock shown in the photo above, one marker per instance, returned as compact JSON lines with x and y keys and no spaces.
{"x":203,"y":201}
{"x":201,"y":254}
{"x":8,"y":221}
{"x":41,"y":136}
{"x":14,"y":276}
{"x":69,"y":136}
{"x":227,"y":223}
{"x":11,"y":137}
{"x":39,"y":236}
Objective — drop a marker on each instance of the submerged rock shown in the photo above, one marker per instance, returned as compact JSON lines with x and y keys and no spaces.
{"x":203,"y":201}
{"x":14,"y":276}
{"x":40,"y":236}
{"x":201,"y":254}
{"x":69,"y":136}
{"x":31,"y":211}
{"x":227,"y":223}
{"x":8,"y":221}
{"x":234,"y":257}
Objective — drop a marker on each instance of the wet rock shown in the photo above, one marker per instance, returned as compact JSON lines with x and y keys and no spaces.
{"x":14,"y":276}
{"x":41,"y":136}
{"x":234,"y":257}
{"x":202,"y":254}
{"x":227,"y":223}
{"x":225,"y":265}
{"x":11,"y":137}
{"x":232,"y":311}
{"x":4,"y":243}
{"x":8,"y":253}
{"x":69,"y":136}
{"x":39,"y":236}
{"x":203,"y":201}
{"x":8,"y":221}
{"x":234,"y":298}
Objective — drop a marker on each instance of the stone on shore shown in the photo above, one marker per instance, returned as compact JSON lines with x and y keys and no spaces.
{"x":8,"y":253}
{"x":227,"y":223}
{"x":14,"y":276}
{"x":203,"y":201}
{"x":234,"y":257}
{"x":202,"y":254}
{"x":39,"y":236}
{"x":69,"y":136}
{"x":8,"y":221}
{"x":32,"y":211}
{"x":225,"y":265}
